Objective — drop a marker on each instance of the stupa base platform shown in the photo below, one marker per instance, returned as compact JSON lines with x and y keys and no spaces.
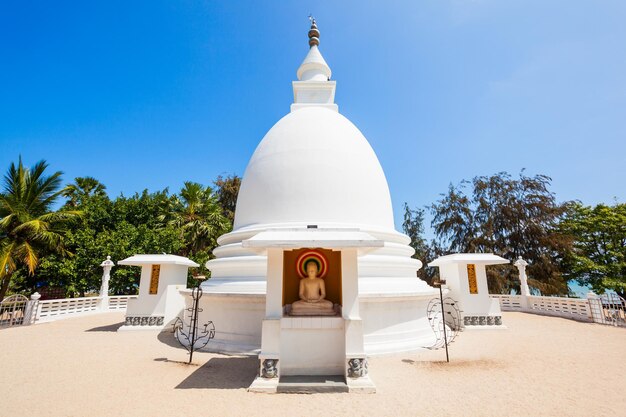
{"x":313,"y":384}
{"x":313,"y":314}
{"x":307,"y":384}
{"x":362,"y":385}
{"x":264,"y":385}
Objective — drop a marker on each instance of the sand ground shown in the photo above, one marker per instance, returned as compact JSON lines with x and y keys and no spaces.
{"x":540,"y":366}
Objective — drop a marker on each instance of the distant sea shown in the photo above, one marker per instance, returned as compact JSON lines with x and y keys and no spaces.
{"x":579,"y":290}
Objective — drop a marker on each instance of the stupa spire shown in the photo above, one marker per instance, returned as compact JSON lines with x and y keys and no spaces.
{"x":314,"y":67}
{"x":314,"y":87}
{"x":314,"y":33}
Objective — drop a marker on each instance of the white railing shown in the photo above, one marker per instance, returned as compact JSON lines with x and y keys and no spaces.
{"x":573,"y":308}
{"x":51,"y":309}
{"x":509,"y":302}
{"x":48,"y":310}
{"x":119,"y":302}
{"x":576,"y":308}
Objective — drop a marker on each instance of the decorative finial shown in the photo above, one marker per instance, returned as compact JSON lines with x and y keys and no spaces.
{"x":314,"y":33}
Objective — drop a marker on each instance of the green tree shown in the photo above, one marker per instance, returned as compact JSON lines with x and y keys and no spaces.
{"x":120,"y":228}
{"x":453,"y":220}
{"x":29,"y":228}
{"x":598,"y":255}
{"x":227,"y":192}
{"x":187,"y":224}
{"x":510,"y":217}
{"x":413,"y":227}
{"x":197,"y":215}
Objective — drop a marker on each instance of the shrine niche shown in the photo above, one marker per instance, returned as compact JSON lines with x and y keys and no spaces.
{"x":295,"y":264}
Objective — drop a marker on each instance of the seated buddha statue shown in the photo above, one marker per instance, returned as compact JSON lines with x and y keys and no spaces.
{"x":312,"y":295}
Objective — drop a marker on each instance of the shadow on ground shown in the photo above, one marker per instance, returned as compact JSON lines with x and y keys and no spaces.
{"x":223,"y":373}
{"x":166,"y":336}
{"x":108,"y":328}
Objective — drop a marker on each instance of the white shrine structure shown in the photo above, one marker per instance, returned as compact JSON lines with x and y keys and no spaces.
{"x":161,"y":281}
{"x":315,"y":190}
{"x":466,"y":279}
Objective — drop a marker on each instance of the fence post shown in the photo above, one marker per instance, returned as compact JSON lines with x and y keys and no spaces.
{"x":104,"y":289}
{"x":596,"y":310}
{"x":525,"y":291}
{"x":32,"y":309}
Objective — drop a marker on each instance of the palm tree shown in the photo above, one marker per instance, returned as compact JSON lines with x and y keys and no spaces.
{"x":29,"y":229}
{"x":198,"y":214}
{"x":82,"y":189}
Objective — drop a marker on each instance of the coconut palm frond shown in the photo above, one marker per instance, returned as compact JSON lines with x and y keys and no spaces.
{"x":61,"y":216}
{"x":28,"y":227}
{"x":28,"y":255}
{"x":7,"y":263}
{"x":34,"y":226}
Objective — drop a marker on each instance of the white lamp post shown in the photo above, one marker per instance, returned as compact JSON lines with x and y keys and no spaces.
{"x":521,"y":267}
{"x":106,"y":276}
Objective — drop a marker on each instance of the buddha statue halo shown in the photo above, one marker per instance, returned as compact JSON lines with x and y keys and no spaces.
{"x":312,"y":293}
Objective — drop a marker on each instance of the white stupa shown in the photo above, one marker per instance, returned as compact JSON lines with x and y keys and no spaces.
{"x":315,"y":171}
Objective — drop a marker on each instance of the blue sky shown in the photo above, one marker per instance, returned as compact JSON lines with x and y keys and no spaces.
{"x":150,"y":94}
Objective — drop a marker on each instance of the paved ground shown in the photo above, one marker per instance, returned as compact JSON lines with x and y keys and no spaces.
{"x":540,"y":366}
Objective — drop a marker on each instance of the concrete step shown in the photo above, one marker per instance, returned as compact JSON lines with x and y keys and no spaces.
{"x":306,"y":384}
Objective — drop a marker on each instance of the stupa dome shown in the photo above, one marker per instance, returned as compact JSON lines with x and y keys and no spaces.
{"x":314,"y":167}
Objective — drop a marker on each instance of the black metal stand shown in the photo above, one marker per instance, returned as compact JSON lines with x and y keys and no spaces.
{"x":439,"y":284}
{"x":192,"y":338}
{"x":443,"y":316}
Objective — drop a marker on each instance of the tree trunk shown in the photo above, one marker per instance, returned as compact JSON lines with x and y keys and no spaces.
{"x":4,"y":287}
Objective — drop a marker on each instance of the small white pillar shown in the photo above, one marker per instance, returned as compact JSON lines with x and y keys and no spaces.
{"x":106,"y":265}
{"x":521,"y":267}
{"x":356,"y":364}
{"x":32,"y":309}
{"x":269,"y":357}
{"x":273,"y":298}
{"x":524,"y":290}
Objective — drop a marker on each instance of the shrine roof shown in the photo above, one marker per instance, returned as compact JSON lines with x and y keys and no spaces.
{"x":469,"y":258}
{"x":157,"y":259}
{"x":306,"y":238}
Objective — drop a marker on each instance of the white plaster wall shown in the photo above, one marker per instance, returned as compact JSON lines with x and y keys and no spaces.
{"x":389,"y":270}
{"x":390,"y":325}
{"x":174,"y":303}
{"x":480,"y":304}
{"x":237,"y":319}
{"x":394,"y":325}
{"x":302,"y":347}
{"x":146,"y":304}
